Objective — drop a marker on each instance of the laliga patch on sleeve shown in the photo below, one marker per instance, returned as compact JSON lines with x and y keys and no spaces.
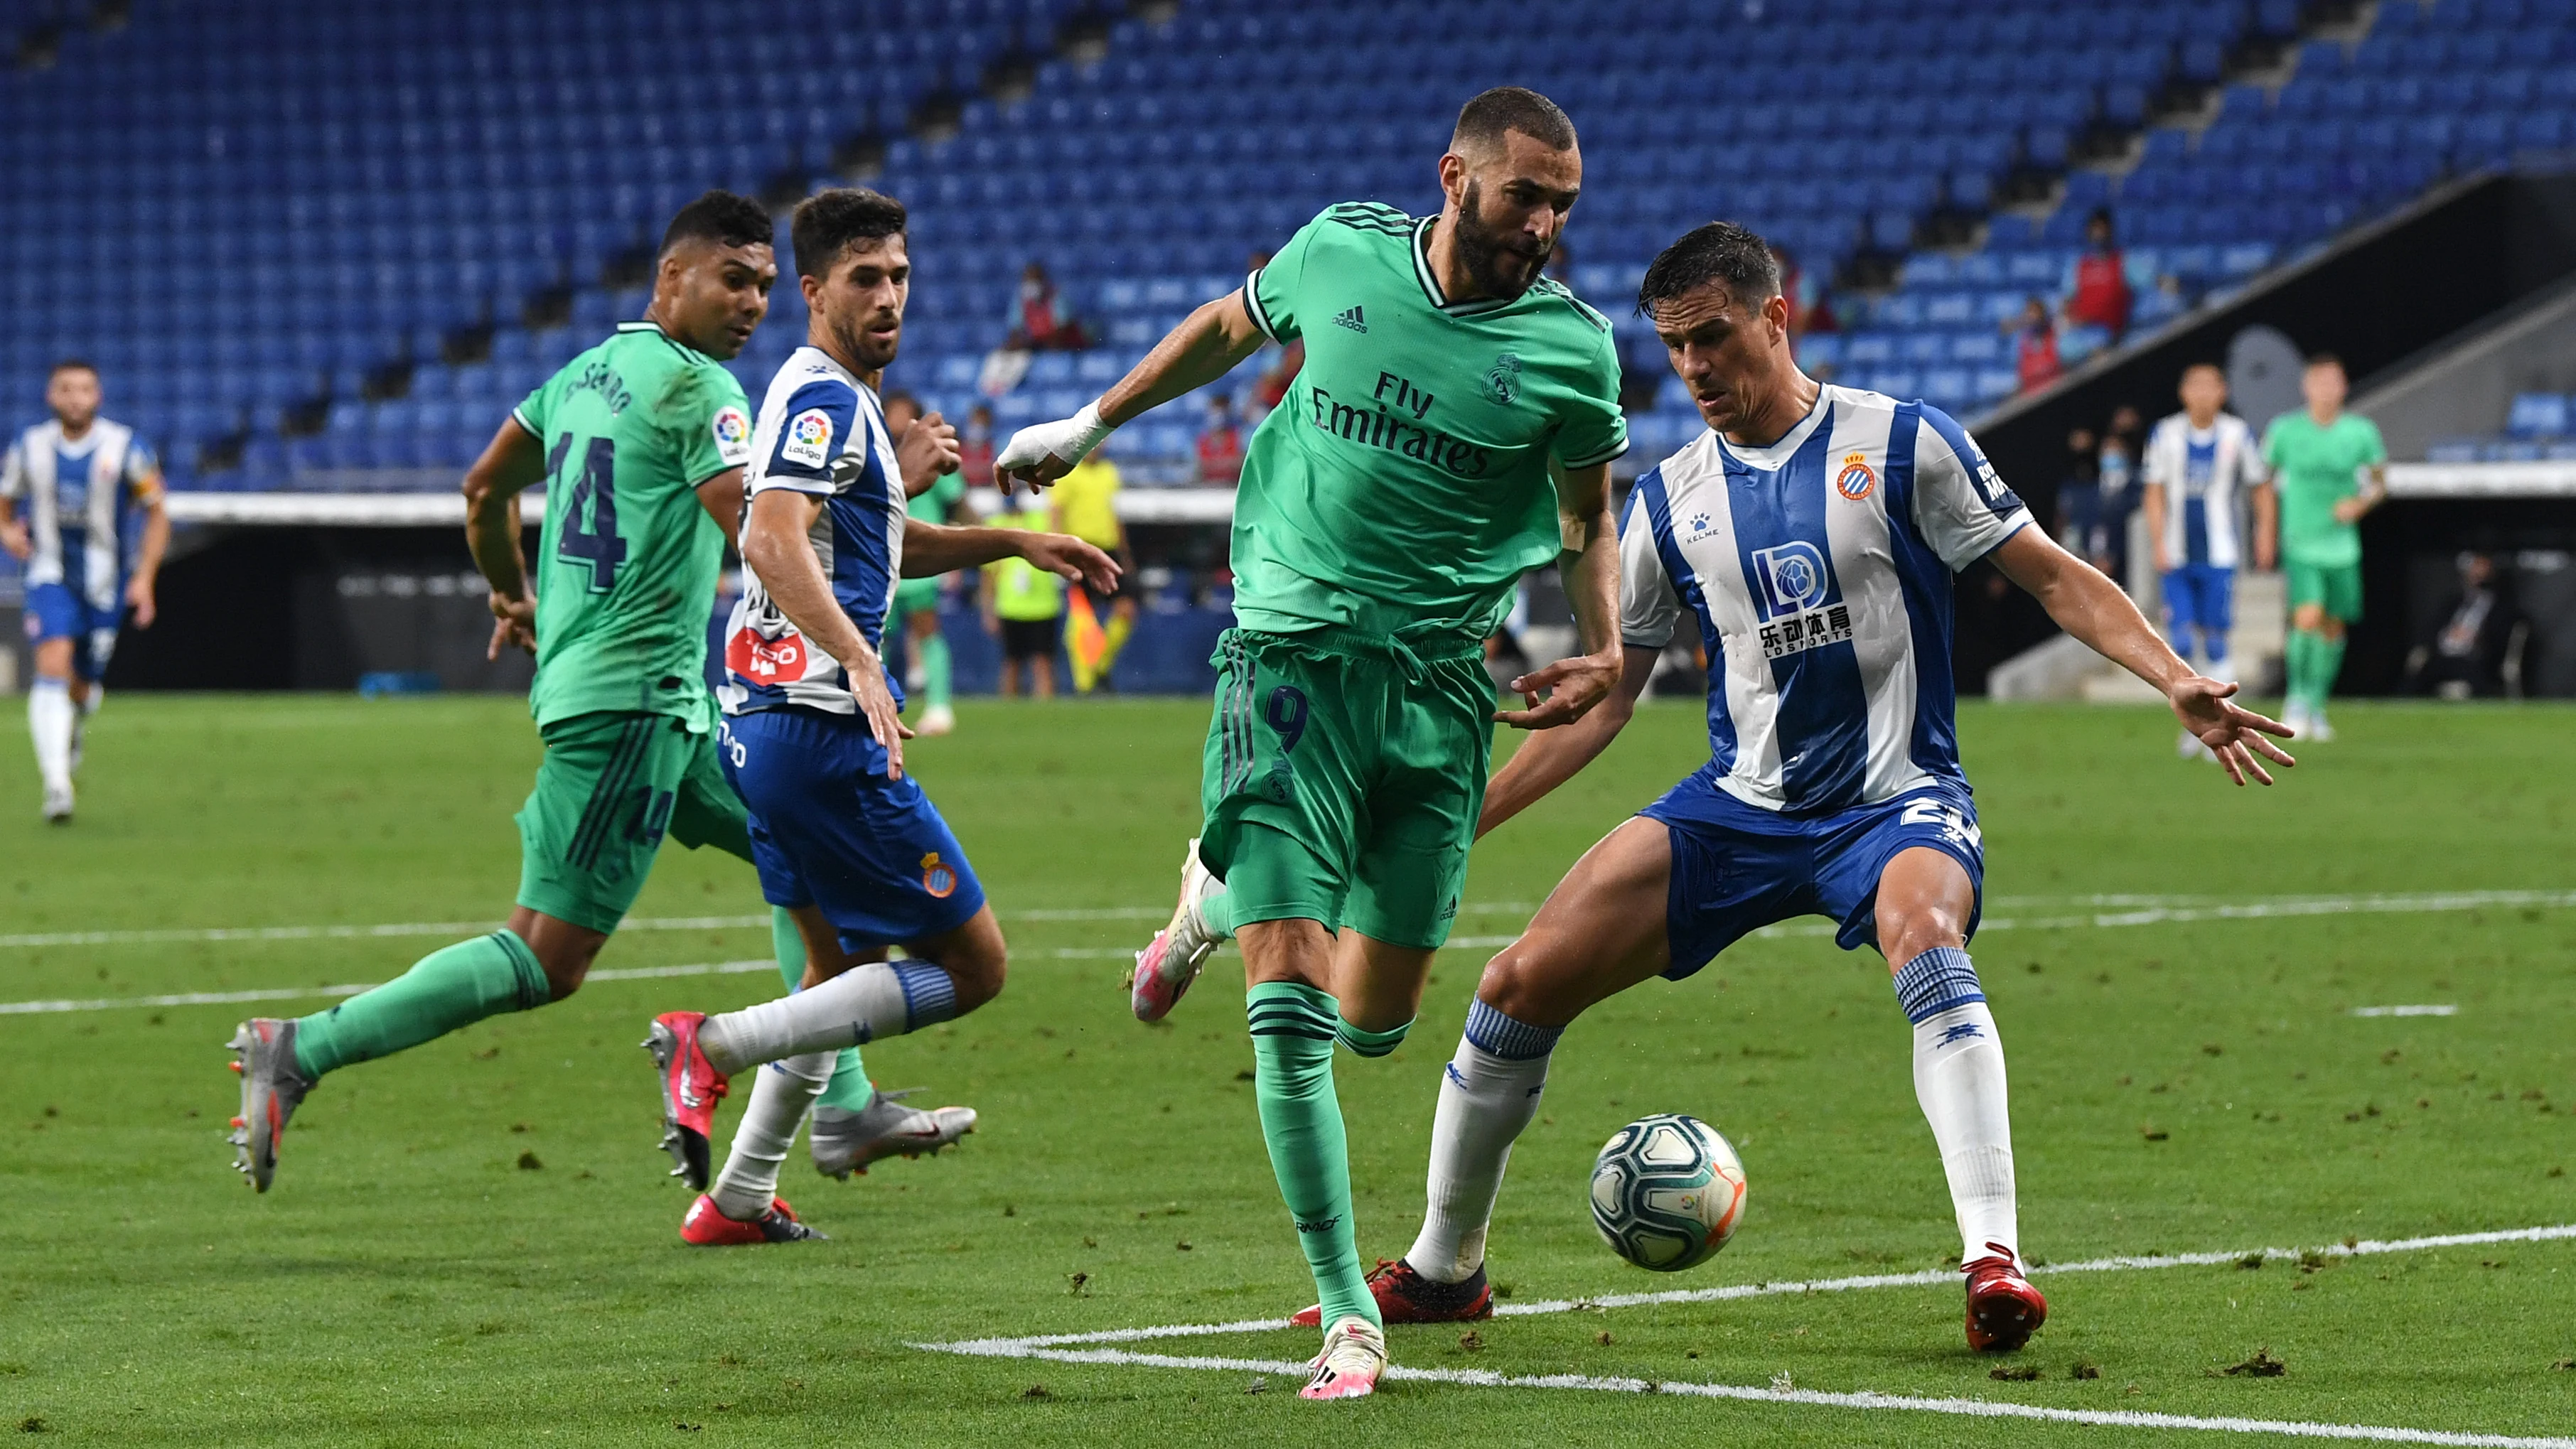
{"x":732,"y":431}
{"x":807,"y":438}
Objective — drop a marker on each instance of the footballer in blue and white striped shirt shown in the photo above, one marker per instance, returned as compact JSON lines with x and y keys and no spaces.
{"x":1811,"y":533}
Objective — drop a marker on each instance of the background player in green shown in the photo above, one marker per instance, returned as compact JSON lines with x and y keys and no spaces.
{"x":1452,"y":427}
{"x":2330,"y":468}
{"x":916,"y":601}
{"x":640,"y":443}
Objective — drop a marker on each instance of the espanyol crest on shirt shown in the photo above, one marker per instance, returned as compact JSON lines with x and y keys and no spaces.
{"x":1855,"y":480}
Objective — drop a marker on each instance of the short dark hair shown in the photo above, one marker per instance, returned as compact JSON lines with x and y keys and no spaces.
{"x":1719,"y":251}
{"x":721,"y":217}
{"x":71,"y":364}
{"x":1483,"y":121}
{"x":2326,"y":359}
{"x":828,"y":222}
{"x":899,"y":396}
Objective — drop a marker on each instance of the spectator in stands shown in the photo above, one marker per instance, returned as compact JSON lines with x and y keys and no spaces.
{"x":975,"y":448}
{"x":2115,"y":475}
{"x":1809,"y":311}
{"x":1024,"y":608}
{"x":1041,"y":319}
{"x":2097,"y":291}
{"x":2079,"y":493}
{"x":2464,"y":656}
{"x":2034,"y":335}
{"x":1086,"y":505}
{"x":1220,"y":445}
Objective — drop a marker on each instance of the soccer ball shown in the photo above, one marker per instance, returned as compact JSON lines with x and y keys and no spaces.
{"x":1667,"y":1192}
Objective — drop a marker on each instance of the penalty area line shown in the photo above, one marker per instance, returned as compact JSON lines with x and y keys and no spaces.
{"x":1805,"y":1398}
{"x":1087,"y":1348}
{"x":2363,"y":1248}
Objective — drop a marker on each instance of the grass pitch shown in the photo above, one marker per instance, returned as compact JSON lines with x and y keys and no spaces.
{"x":474,"y":1242}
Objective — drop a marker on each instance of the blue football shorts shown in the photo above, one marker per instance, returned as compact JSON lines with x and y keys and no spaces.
{"x":829,"y":829}
{"x":1738,"y":867}
{"x":53,"y":611}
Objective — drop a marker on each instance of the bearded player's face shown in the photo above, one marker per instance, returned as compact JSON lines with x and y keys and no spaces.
{"x":1511,"y":209}
{"x":859,"y":302}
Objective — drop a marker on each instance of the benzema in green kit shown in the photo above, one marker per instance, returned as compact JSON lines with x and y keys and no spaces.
{"x":1451,"y":429}
{"x":639,"y":444}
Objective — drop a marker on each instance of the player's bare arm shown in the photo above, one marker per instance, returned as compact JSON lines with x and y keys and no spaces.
{"x":721,"y":497}
{"x":1551,"y":757}
{"x":926,"y":451}
{"x":2374,"y":491}
{"x":2092,"y":608}
{"x":2151,"y":504}
{"x":1574,"y":686}
{"x":512,"y":462}
{"x":775,"y":544}
{"x":932,"y":549}
{"x":13,"y":531}
{"x":1205,"y":347}
{"x":139,"y":590}
{"x":2267,"y":526}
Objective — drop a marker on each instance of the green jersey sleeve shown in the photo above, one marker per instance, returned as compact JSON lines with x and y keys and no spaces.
{"x":2272,"y":442}
{"x":1590,"y":428}
{"x":711,"y":425}
{"x":2375,"y":451}
{"x":534,"y":409}
{"x":1270,"y":294}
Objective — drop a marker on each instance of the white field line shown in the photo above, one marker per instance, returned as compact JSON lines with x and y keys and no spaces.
{"x":1012,"y":1346}
{"x":1062,"y":1348}
{"x":2153,"y":915}
{"x":292,"y":993}
{"x":1811,"y":1398}
{"x":2133,"y":911}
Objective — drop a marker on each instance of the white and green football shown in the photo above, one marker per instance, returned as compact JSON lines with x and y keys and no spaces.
{"x":1667,"y":1192}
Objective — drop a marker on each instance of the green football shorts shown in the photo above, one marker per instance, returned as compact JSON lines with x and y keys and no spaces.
{"x":911,"y":596}
{"x":612,"y":784}
{"x":2336,"y":586}
{"x":1342,"y":778}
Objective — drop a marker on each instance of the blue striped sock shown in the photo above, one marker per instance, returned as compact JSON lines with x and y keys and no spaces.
{"x":929,"y":996}
{"x":1513,"y":1041}
{"x":1936,"y":981}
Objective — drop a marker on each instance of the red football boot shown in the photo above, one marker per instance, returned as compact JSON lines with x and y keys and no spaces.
{"x":691,"y":1087}
{"x":1404,"y":1296}
{"x":2003,"y":1309}
{"x":705,"y":1227}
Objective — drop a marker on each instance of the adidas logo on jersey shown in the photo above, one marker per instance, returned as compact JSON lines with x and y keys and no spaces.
{"x":1353,"y":320}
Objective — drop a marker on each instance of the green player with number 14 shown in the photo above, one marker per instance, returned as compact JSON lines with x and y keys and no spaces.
{"x":640,"y":444}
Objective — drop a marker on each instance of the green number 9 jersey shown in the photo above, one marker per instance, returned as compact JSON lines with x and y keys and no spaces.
{"x":626,"y":570}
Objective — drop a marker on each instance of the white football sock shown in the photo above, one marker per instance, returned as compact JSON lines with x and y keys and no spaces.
{"x":1959,"y":1081}
{"x":49,"y":724}
{"x":1486,"y":1102}
{"x":779,"y":1101}
{"x":858,"y":1006}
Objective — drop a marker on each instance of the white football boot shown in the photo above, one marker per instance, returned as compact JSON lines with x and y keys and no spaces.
{"x":1171,"y":961}
{"x":845,"y":1142}
{"x":1354,"y":1356}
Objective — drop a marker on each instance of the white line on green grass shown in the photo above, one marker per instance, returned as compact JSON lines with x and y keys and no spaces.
{"x":2134,"y":911}
{"x":1062,"y":1348}
{"x":292,"y":993}
{"x":2445,"y":1009}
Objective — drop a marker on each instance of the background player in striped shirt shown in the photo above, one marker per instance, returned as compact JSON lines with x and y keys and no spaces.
{"x":2195,"y":461}
{"x":1451,"y":428}
{"x":80,"y":478}
{"x":844,"y":838}
{"x":1811,"y":534}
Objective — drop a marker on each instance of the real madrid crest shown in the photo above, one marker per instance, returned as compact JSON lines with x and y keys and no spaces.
{"x":1503,"y":379}
{"x":1855,"y":480}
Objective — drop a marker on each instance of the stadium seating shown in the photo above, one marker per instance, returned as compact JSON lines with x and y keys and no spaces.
{"x":2538,"y":426}
{"x":312,"y":256}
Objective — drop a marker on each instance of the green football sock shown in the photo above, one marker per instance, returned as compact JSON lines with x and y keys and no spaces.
{"x":850,"y":1090}
{"x":446,"y":989}
{"x":2298,"y":657}
{"x":1293,"y":1029}
{"x":2328,"y":659}
{"x":934,"y":675}
{"x":1216,"y":912}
